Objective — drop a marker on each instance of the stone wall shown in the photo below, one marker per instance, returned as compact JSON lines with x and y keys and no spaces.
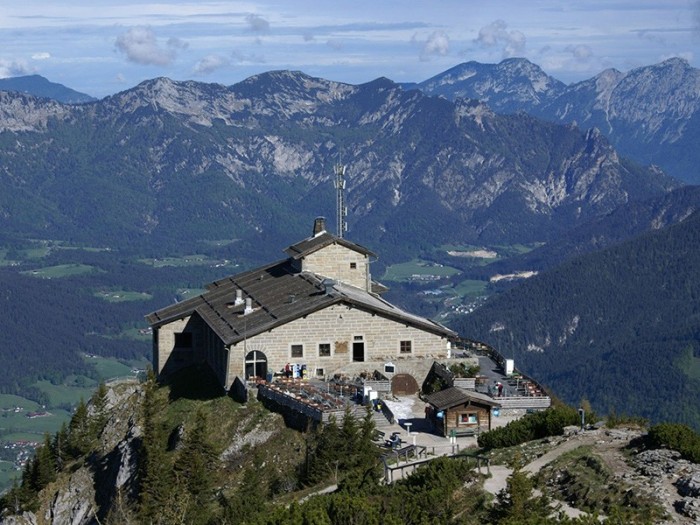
{"x":340,"y":326}
{"x":335,"y":262}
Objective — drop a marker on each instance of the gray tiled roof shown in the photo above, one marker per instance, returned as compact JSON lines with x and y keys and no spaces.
{"x":279,"y":295}
{"x":323,"y":239}
{"x":454,"y":396}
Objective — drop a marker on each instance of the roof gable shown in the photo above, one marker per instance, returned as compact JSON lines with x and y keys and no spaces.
{"x":320,"y":241}
{"x":454,"y":396}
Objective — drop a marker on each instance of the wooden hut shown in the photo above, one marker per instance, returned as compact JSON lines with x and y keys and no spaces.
{"x":459,"y":412}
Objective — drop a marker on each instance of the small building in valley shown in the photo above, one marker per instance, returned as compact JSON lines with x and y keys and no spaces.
{"x":308,"y":315}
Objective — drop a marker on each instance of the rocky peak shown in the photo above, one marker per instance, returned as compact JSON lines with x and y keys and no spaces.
{"x":506,"y":86}
{"x":21,"y":112}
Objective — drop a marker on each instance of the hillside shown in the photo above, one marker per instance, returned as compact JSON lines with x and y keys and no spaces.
{"x":618,"y":327}
{"x":181,"y":454}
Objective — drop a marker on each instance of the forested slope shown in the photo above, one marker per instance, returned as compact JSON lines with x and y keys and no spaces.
{"x":620,"y":327}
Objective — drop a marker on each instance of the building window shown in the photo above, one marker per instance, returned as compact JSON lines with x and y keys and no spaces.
{"x":319,"y":372}
{"x":468,"y":419}
{"x":324,"y":350}
{"x":183,"y":339}
{"x":353,"y":265}
{"x":405,"y":347}
{"x":297,"y":350}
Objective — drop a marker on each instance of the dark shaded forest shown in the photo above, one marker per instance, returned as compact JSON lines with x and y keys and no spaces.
{"x":620,"y":327}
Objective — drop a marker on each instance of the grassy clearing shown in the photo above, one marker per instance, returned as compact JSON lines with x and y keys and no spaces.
{"x":186,"y":293}
{"x":8,"y":473}
{"x":137,"y":334}
{"x":470,"y":288}
{"x":4,"y":261}
{"x":186,"y":260}
{"x":64,"y":394}
{"x":8,"y":401}
{"x":61,"y":270}
{"x":418,"y":270}
{"x":13,"y":423}
{"x":109,"y":368}
{"x":222,"y":242}
{"x":120,"y":296}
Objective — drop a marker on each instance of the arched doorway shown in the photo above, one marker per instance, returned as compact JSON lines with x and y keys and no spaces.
{"x":404,"y":385}
{"x":255,"y":364}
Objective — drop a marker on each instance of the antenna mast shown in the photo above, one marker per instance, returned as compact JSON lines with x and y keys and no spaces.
{"x":341,"y":211}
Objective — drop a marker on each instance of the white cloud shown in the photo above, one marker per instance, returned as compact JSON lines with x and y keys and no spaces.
{"x":210,"y":63}
{"x":496,"y":34}
{"x":437,"y":44}
{"x":140,"y":45}
{"x":41,"y":56}
{"x":580,"y":52}
{"x":14,"y":68}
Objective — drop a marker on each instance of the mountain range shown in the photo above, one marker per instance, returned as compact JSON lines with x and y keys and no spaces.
{"x":651,"y":113}
{"x":168,"y":162}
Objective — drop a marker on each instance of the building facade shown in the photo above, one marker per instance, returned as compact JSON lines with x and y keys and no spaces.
{"x":311,"y":314}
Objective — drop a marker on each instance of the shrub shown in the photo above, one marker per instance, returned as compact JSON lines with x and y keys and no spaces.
{"x":677,"y":437}
{"x":550,"y":422}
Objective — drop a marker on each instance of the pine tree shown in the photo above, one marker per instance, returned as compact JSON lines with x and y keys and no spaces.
{"x":155,"y":476}
{"x":194,"y":469}
{"x":79,"y":431}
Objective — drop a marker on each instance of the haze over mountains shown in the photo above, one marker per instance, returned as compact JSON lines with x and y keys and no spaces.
{"x":172,"y":167}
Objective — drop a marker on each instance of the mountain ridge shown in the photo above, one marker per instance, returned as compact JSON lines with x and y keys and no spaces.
{"x":650,"y":113}
{"x":464,"y":163}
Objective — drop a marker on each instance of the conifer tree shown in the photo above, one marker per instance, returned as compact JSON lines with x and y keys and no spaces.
{"x":79,"y":431}
{"x":155,"y":476}
{"x":194,"y":469}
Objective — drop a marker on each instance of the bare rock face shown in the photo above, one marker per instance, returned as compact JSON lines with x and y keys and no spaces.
{"x":27,"y":518}
{"x":86,"y":494}
{"x":74,"y":505}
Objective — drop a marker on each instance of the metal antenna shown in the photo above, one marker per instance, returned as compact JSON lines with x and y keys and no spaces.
{"x":342,"y":211}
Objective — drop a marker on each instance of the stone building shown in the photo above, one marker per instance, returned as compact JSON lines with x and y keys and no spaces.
{"x":315,"y":313}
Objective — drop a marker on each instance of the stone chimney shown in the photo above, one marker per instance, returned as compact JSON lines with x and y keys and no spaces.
{"x":319,"y":225}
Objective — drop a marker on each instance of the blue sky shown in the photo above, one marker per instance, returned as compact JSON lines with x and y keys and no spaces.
{"x":103,"y":46}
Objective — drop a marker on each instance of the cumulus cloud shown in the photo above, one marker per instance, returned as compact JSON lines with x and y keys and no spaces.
{"x":257,"y":23}
{"x":437,"y":44}
{"x":140,"y":45}
{"x":210,"y":63}
{"x":496,"y":34}
{"x":580,"y":52}
{"x":13,"y":68}
{"x":41,"y":56}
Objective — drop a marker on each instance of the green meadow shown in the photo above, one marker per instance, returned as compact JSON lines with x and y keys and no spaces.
{"x":417,"y":269}
{"x":61,"y":270}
